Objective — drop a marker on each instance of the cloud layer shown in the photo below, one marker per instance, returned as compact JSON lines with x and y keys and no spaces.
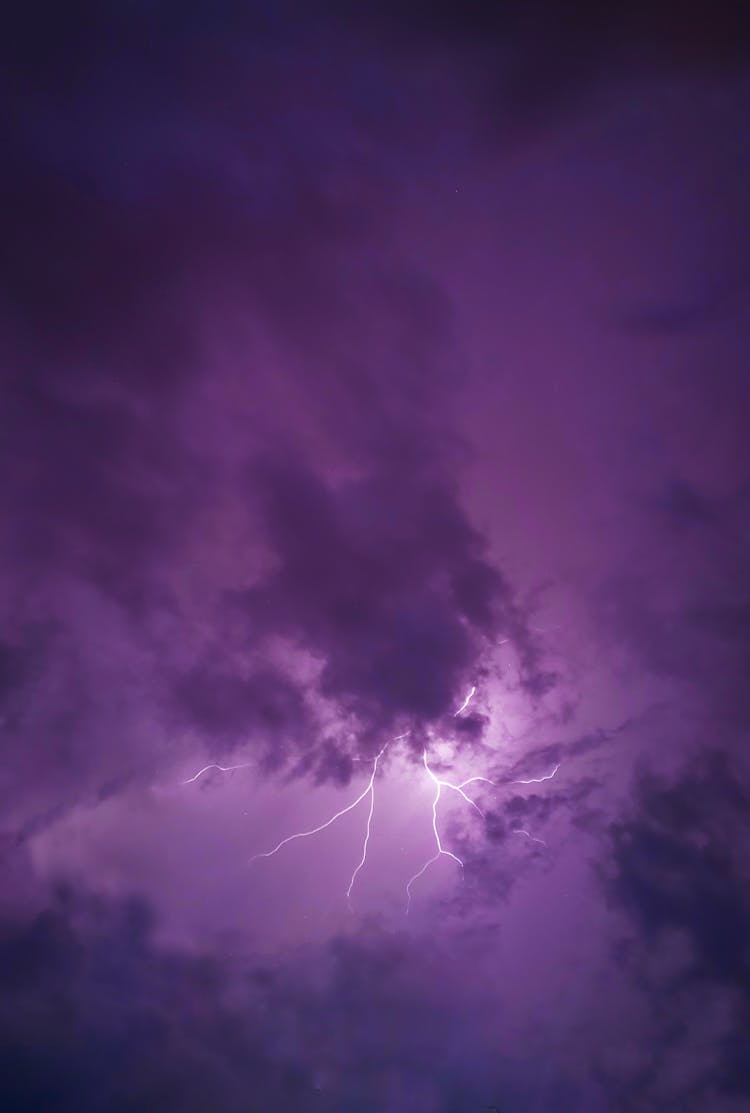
{"x":354,"y":361}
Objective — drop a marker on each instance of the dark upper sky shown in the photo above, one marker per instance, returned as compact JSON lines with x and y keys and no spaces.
{"x":373,"y":424}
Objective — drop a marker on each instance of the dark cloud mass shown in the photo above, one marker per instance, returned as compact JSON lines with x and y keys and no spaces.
{"x":384,"y":579}
{"x":94,"y":1013}
{"x":679,"y":872}
{"x":373,"y":450}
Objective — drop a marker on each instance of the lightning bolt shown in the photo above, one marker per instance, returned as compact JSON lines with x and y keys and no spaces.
{"x":537,"y":780}
{"x":466,"y":702}
{"x":221,"y":768}
{"x":440,"y":784}
{"x":366,"y":842}
{"x":522,"y":831}
{"x":368,"y":791}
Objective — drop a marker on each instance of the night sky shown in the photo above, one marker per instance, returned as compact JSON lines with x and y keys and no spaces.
{"x":374,"y":416}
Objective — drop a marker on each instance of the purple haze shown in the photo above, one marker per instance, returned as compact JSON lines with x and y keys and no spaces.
{"x":357,"y":359}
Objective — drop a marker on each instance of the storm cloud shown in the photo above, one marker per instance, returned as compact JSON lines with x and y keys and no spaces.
{"x":374,"y":383}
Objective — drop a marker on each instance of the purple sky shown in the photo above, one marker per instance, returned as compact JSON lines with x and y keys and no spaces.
{"x":357,"y":358}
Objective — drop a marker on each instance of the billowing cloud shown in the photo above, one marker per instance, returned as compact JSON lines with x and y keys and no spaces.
{"x":374,"y":378}
{"x":678,"y":872}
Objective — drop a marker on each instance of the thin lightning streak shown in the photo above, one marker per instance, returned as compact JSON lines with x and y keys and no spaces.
{"x":365,"y":844}
{"x":537,"y":780}
{"x":312,"y":831}
{"x":221,"y":768}
{"x":368,"y":791}
{"x":396,"y":739}
{"x":466,"y":702}
{"x":440,"y":784}
{"x":460,"y":790}
{"x":522,"y":831}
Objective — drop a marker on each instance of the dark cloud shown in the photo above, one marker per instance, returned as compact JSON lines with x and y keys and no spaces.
{"x":698,"y":630}
{"x":98,"y":490}
{"x":94,"y":1013}
{"x":264,"y":708}
{"x":75,"y":723}
{"x":16,"y":671}
{"x":537,"y":63}
{"x":676,"y":866}
{"x":706,"y":33}
{"x":667,"y":319}
{"x":162,"y":190}
{"x":386,"y":581}
{"x":471,"y":726}
{"x":682,"y":505}
{"x":266,"y":269}
{"x":536,"y":816}
{"x":678,"y":872}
